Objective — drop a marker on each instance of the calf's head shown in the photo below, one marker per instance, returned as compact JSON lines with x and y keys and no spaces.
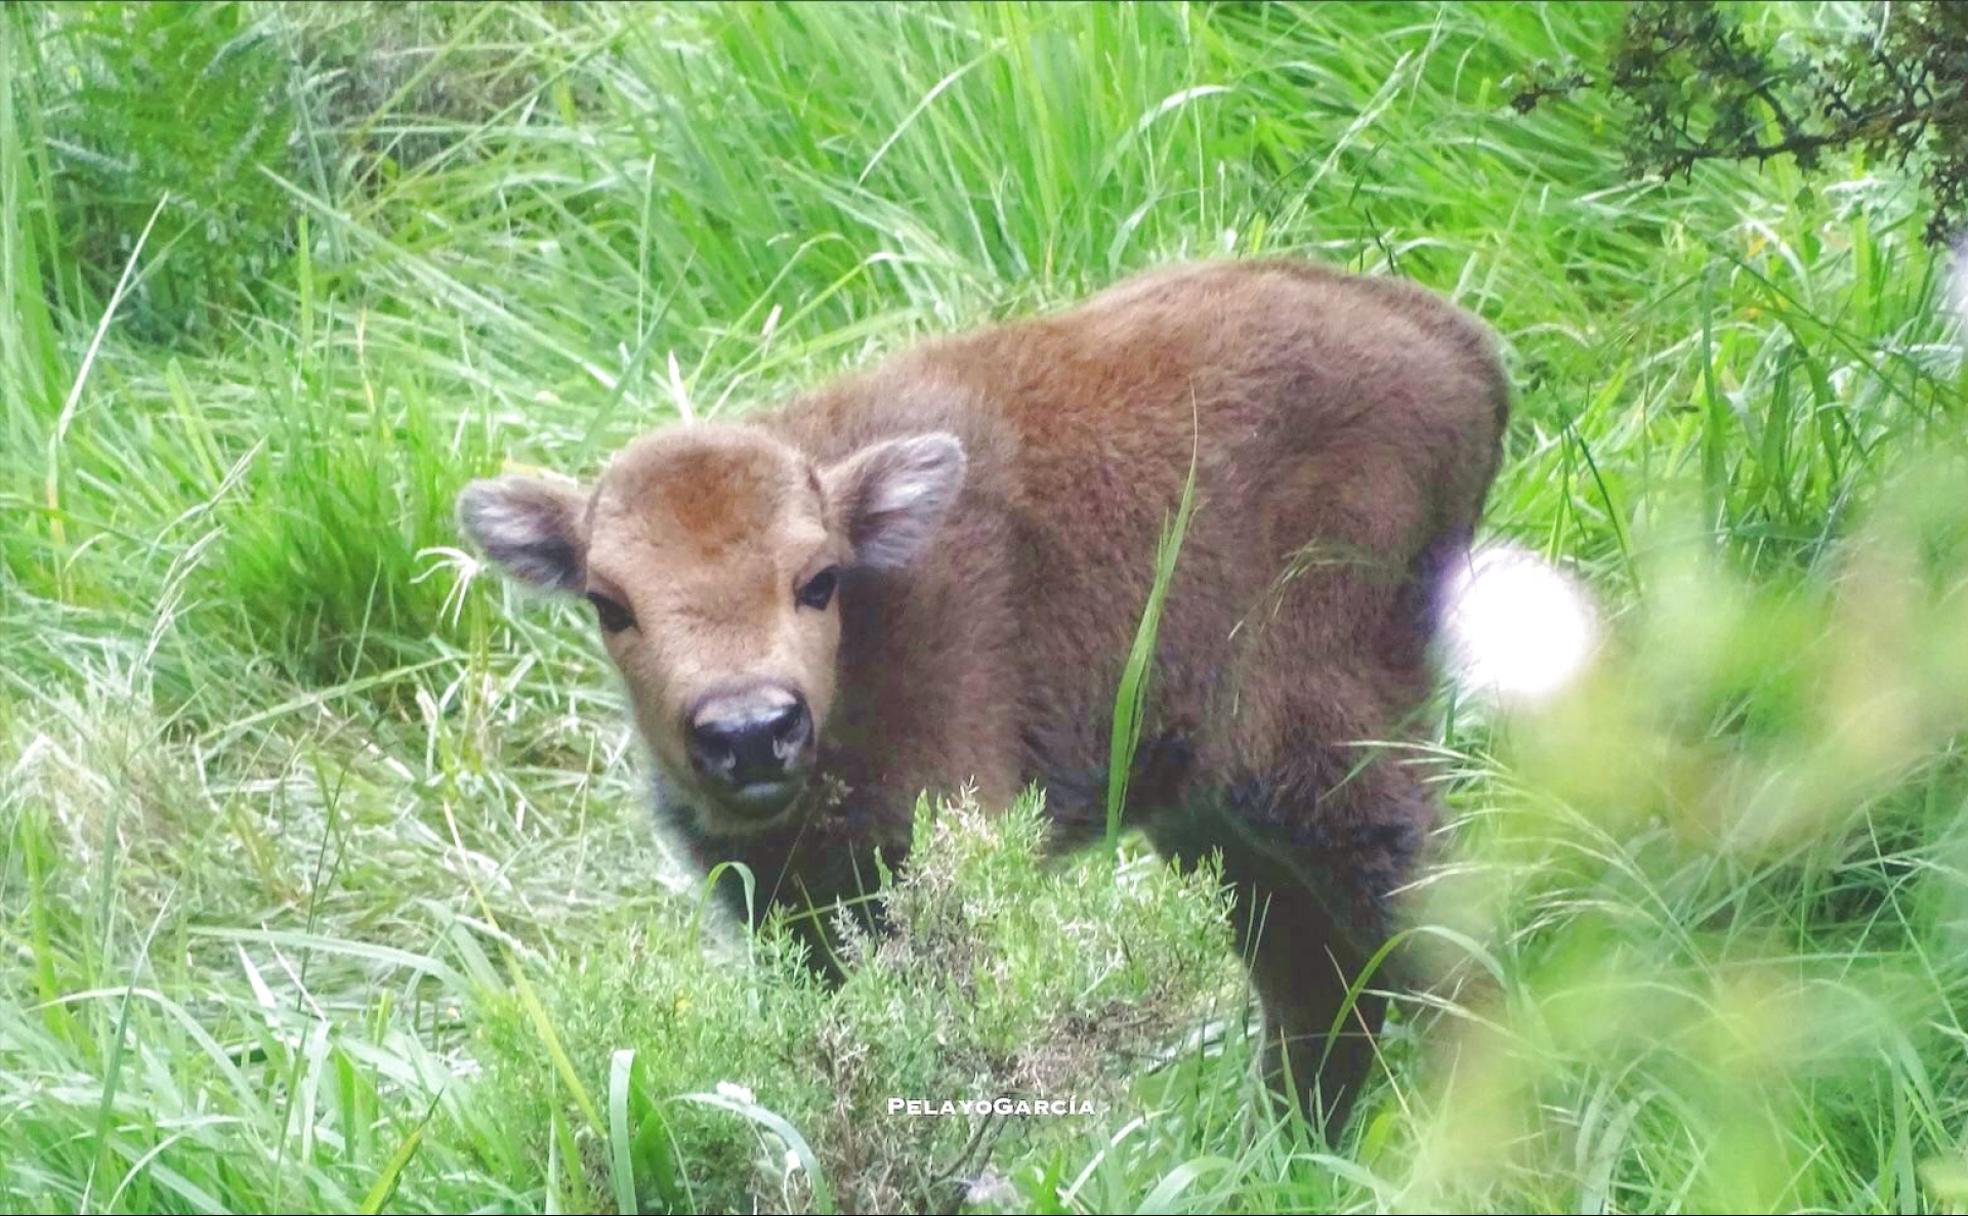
{"x":713,"y":556}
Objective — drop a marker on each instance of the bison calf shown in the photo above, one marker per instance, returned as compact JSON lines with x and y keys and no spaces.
{"x":929,"y":575}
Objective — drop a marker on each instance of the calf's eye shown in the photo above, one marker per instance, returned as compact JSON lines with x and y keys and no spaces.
{"x":819,"y":590}
{"x":614,"y":617}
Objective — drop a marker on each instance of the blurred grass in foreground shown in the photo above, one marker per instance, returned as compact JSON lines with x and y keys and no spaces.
{"x":324,"y":880}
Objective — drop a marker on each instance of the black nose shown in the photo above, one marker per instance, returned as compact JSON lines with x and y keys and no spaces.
{"x":750,"y":743}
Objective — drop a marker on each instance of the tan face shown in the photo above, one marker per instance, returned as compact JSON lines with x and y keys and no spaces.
{"x":714,"y":557}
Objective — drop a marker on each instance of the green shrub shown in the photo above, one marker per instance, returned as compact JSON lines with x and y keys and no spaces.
{"x":1005,"y":978}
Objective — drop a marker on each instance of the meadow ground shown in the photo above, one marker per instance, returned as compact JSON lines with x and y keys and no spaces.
{"x":325,"y":879}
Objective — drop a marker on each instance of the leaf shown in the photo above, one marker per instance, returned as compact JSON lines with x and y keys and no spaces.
{"x":1131,"y":697}
{"x":385,"y":1185}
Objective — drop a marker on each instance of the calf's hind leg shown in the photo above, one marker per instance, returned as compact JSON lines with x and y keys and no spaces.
{"x":1308,"y":912}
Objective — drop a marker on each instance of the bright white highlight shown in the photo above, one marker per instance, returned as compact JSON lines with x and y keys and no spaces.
{"x":1515,"y":629}
{"x":1959,"y":290}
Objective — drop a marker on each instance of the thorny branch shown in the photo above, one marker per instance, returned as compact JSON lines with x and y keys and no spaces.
{"x":1700,"y":87}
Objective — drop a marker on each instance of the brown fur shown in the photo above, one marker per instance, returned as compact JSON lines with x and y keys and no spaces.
{"x":1344,"y":432}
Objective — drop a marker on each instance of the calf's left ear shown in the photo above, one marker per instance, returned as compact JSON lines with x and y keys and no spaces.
{"x":892,"y":495}
{"x":533,"y":529}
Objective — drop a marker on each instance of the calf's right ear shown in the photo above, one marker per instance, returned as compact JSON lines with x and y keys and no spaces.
{"x":533,"y":529}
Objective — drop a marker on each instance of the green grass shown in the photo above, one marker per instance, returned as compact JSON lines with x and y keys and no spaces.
{"x":325,"y":880}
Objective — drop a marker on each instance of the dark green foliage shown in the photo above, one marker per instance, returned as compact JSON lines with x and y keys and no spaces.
{"x":186,"y":104}
{"x":1701,"y":83}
